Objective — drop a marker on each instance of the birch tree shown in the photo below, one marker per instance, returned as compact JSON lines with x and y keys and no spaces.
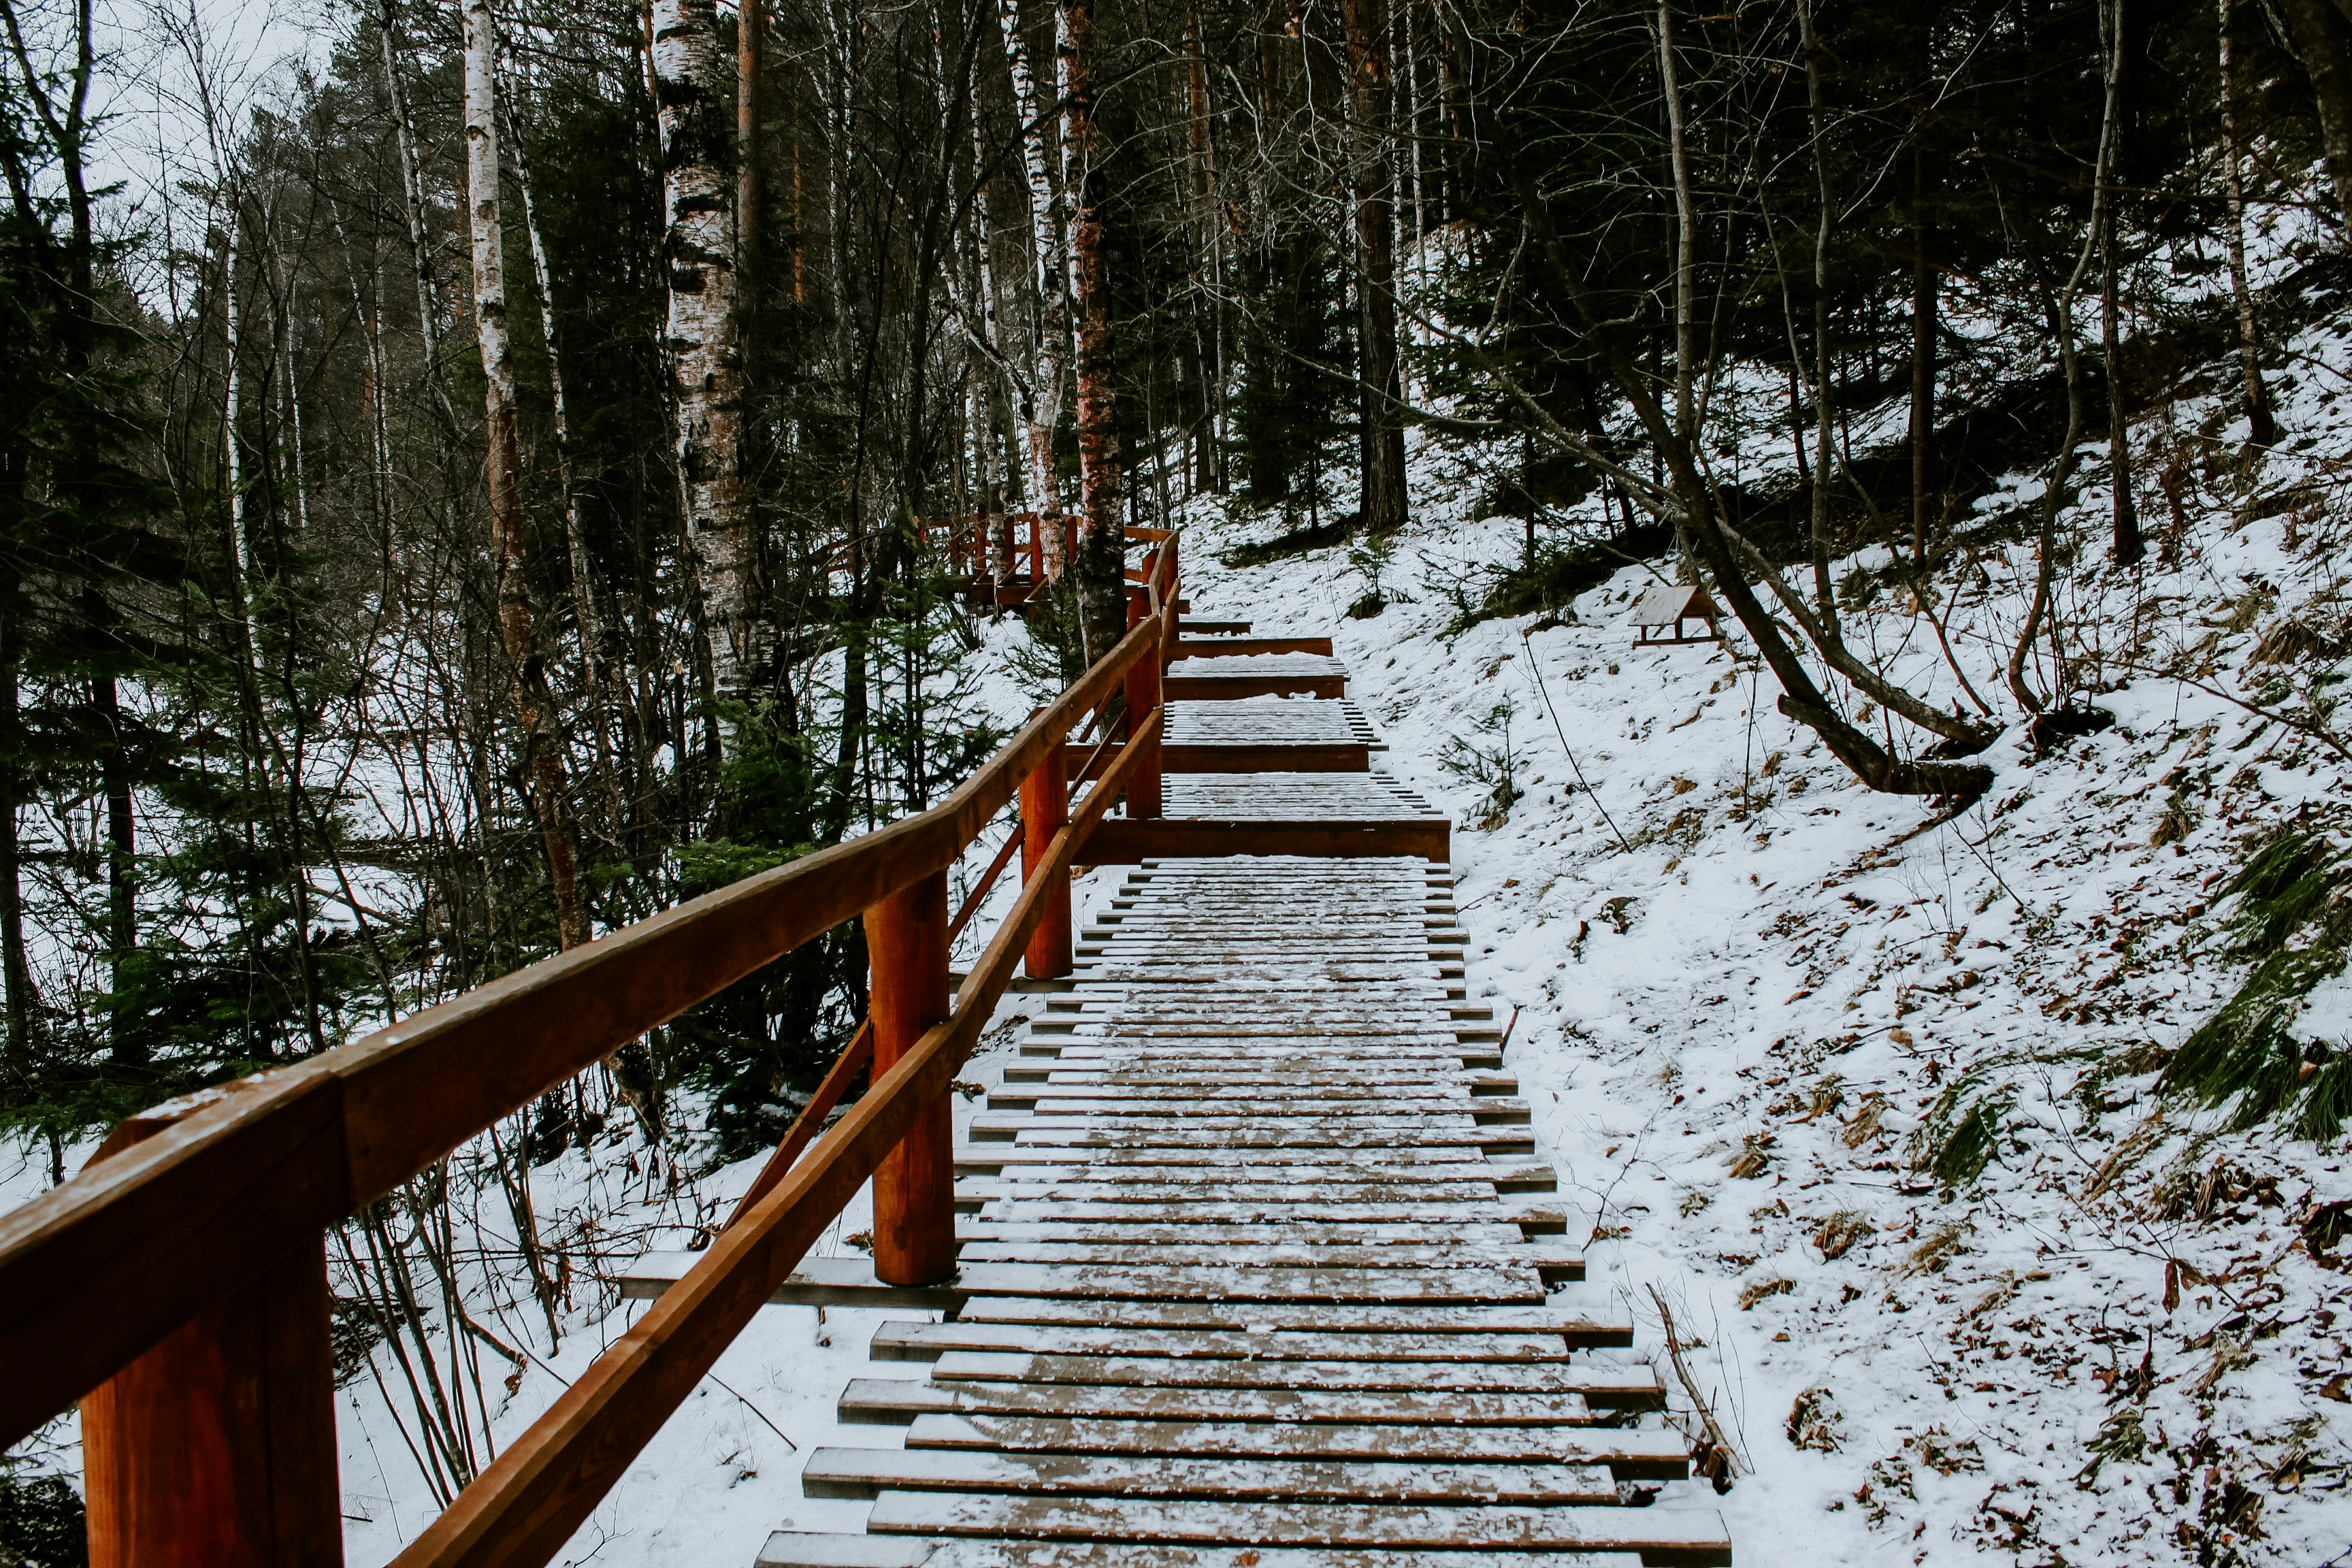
{"x":703,"y":335}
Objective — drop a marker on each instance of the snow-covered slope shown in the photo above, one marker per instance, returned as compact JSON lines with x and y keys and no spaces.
{"x":1740,"y":995}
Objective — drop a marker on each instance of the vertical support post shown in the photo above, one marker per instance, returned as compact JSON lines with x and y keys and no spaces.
{"x":914,"y":1187}
{"x":217,"y":1447}
{"x":1036,"y":547}
{"x":1143,"y":792}
{"x":1045,"y":809}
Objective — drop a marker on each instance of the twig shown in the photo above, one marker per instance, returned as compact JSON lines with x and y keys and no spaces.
{"x":755,"y":1410}
{"x":1537,"y":667}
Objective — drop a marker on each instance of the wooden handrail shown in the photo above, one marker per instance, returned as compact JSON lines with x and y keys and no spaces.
{"x":523,"y":1509}
{"x":96,"y":1272}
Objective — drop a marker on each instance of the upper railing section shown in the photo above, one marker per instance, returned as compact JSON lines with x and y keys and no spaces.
{"x":197,"y":1200}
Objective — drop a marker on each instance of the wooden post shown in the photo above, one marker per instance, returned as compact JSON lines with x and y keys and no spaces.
{"x":217,"y":1447}
{"x":1044,"y":808}
{"x":1143,"y":793}
{"x":914,"y":1187}
{"x":1036,"y":547}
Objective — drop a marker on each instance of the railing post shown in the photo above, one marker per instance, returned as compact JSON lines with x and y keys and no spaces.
{"x":914,"y":1187}
{"x":1045,"y":808}
{"x":217,"y":1447}
{"x":1143,"y":795}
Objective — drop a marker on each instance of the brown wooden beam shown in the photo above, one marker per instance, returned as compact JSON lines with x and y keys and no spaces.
{"x":1229,"y":648}
{"x":1119,"y":842}
{"x":914,"y":1187}
{"x":1226,"y":687}
{"x":1320,"y":757}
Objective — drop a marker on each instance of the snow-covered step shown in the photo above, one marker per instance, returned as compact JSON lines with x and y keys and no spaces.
{"x":895,"y":1402}
{"x":865,"y":1472}
{"x":1631,"y":1453}
{"x":796,"y":1549}
{"x":1662,"y":1536}
{"x":1617,"y":1387}
{"x":928,"y":1341}
{"x":1255,"y":675}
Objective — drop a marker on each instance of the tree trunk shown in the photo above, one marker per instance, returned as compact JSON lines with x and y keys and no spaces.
{"x":702,"y":336}
{"x":2127,"y":548}
{"x":1380,"y":440}
{"x":15,"y":973}
{"x":122,"y":871}
{"x":1041,"y":392}
{"x":602,"y":695}
{"x":420,"y":241}
{"x":751,"y":46}
{"x":2320,"y":46}
{"x":1923,"y":364}
{"x":1101,"y":566}
{"x":527,"y":676}
{"x":2262,"y":428}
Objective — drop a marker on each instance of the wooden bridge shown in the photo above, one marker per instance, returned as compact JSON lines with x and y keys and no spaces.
{"x":1247,"y":1263}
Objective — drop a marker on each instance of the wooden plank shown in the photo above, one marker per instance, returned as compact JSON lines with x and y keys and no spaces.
{"x":1279,"y":1317}
{"x":1554,"y":1264}
{"x":927,"y":1341}
{"x":1609,"y":1388}
{"x":892,"y":1402}
{"x":1012,"y":1225}
{"x":1189,"y":1192}
{"x":1119,"y":842}
{"x":1226,"y":646}
{"x":1664,"y":1536}
{"x":865,"y":1472}
{"x":794,"y":1549}
{"x":1630,"y":1452}
{"x":1149,"y":1282}
{"x":1215,"y":687}
{"x":1313,"y":756}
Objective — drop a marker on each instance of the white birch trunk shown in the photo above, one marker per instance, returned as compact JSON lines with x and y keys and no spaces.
{"x":534,"y":704}
{"x":706,"y":356}
{"x":1049,"y":279}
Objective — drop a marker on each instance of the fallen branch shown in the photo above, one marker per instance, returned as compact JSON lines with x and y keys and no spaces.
{"x":1711,"y":1453}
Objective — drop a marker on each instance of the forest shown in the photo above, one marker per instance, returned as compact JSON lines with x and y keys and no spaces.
{"x":504,"y":470}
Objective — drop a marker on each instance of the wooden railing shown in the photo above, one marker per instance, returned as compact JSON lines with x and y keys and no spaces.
{"x":177,"y":1286}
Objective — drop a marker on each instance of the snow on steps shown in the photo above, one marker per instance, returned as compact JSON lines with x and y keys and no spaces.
{"x":1242,"y":1287}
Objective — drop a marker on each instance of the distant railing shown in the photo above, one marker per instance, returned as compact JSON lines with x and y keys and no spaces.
{"x":177,"y":1287}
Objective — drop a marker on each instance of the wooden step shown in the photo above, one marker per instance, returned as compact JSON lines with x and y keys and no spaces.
{"x":1554,"y":1265}
{"x":865,"y":1472}
{"x":1611,"y":1388}
{"x":1228,"y":646}
{"x":797,"y":1548}
{"x":928,"y":1341}
{"x":1693,"y":1539}
{"x":893,"y":1402}
{"x":1012,"y":1225}
{"x":1278,"y":1317}
{"x":1178,"y":1282}
{"x":1255,"y":675}
{"x":1630,"y":1453}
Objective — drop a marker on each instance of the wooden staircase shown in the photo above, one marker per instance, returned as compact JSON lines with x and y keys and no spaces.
{"x":1255,"y":1267}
